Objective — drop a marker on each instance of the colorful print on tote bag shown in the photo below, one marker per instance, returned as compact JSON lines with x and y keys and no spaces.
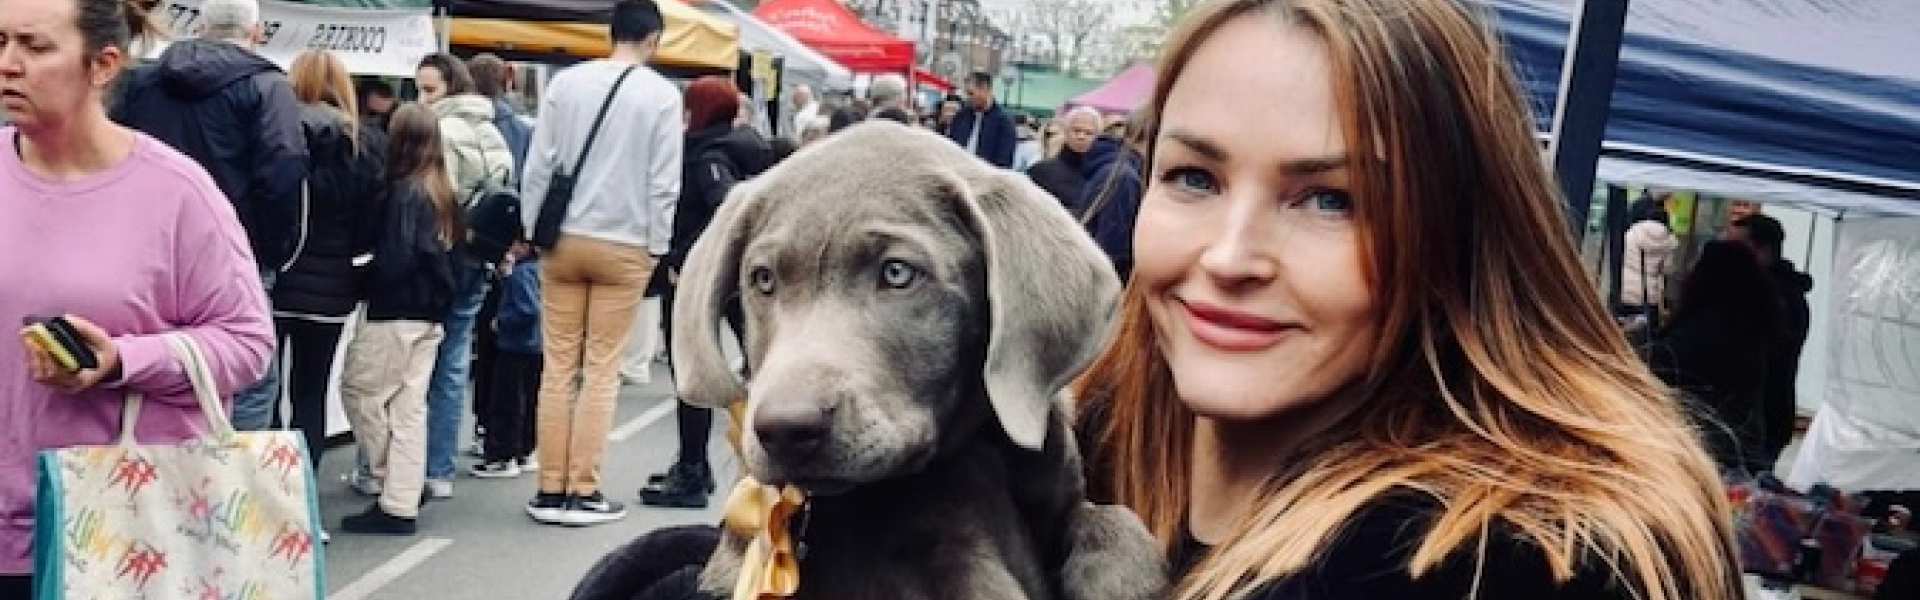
{"x":227,"y":516}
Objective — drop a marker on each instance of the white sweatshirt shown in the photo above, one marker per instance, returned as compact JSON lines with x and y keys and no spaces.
{"x":627,"y":190}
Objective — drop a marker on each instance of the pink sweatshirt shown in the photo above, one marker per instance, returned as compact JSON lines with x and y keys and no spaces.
{"x":145,"y":247}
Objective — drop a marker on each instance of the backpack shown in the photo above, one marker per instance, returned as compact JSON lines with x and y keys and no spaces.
{"x":492,"y":220}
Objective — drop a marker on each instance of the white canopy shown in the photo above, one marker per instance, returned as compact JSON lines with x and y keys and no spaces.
{"x":803,"y":64}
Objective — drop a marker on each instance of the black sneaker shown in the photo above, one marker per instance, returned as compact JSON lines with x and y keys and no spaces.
{"x":547,"y":508}
{"x":686,"y":485}
{"x":592,"y":509}
{"x":376,"y":520}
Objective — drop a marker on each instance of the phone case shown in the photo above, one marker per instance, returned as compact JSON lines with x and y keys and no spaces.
{"x":63,"y":342}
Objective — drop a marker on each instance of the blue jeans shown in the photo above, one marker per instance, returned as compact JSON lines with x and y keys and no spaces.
{"x":447,"y":394}
{"x":253,"y":406}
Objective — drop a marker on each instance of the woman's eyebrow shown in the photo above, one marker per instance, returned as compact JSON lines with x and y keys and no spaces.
{"x":1300,"y":167}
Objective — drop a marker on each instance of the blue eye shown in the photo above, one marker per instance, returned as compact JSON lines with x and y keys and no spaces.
{"x":1324,"y":200}
{"x":898,"y":274}
{"x":1191,"y":180}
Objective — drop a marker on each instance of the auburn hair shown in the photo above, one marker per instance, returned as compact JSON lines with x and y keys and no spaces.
{"x":1501,"y":387}
{"x":318,"y":77}
{"x":711,"y":100}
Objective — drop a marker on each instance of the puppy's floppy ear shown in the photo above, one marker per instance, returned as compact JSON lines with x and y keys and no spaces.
{"x":1051,"y":296}
{"x":711,"y":276}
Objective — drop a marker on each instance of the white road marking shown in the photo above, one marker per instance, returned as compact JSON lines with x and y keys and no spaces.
{"x":642,"y":422}
{"x":393,"y":570}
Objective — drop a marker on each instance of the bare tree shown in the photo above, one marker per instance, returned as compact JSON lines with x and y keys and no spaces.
{"x":1062,"y":31}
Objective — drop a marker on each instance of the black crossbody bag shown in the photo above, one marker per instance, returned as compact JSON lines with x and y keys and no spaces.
{"x":553,"y":212}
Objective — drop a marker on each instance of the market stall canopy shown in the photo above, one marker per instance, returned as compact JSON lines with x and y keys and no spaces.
{"x":576,"y":28}
{"x":1807,"y":101}
{"x":927,"y":78}
{"x":835,"y":31}
{"x":802,"y":63}
{"x":385,"y":42}
{"x":1120,"y":95}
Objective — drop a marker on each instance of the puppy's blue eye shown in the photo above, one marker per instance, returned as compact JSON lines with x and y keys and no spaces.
{"x":762,"y":278}
{"x":898,"y":274}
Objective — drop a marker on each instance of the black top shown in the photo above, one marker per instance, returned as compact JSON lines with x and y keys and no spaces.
{"x":411,"y":275}
{"x":1370,"y":559}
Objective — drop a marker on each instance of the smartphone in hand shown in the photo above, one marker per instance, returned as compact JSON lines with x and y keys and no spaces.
{"x":59,"y":339}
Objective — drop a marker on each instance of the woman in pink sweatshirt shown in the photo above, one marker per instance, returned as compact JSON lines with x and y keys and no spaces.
{"x":126,"y":237}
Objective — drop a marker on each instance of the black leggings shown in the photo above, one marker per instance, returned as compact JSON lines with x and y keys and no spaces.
{"x":310,"y":369}
{"x":696,"y":423}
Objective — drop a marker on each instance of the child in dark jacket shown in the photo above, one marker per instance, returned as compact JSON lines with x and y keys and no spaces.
{"x":516,"y":371}
{"x":409,"y":291}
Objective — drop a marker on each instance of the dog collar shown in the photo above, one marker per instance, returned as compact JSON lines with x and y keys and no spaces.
{"x":765,"y":514}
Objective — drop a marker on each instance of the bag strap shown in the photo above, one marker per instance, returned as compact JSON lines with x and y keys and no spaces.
{"x":594,"y":133}
{"x":1105,"y":194}
{"x":200,"y":376}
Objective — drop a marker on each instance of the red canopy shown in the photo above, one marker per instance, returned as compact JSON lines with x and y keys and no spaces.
{"x":925,"y":77}
{"x":830,"y":28}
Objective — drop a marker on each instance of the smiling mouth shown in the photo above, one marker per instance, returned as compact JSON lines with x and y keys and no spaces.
{"x":1233,"y":331}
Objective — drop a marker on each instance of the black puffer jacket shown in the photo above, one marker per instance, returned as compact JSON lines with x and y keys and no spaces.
{"x":716,"y":158}
{"x":235,"y":114}
{"x":343,"y":188}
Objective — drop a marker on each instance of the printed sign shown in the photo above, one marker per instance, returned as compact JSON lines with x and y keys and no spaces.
{"x":388,"y":42}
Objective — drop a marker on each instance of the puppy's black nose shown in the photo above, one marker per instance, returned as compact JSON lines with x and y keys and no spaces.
{"x":792,"y":428}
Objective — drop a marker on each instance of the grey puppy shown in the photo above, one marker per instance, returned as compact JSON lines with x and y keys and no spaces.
{"x":902,"y":297}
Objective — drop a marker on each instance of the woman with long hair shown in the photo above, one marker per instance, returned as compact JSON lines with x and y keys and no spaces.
{"x":476,"y":153}
{"x":409,"y":290}
{"x":1359,"y":358}
{"x":314,"y":297}
{"x":123,"y":236}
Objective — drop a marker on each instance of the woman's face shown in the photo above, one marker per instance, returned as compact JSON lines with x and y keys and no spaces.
{"x":46,"y":76}
{"x":1245,"y":246}
{"x":432,"y":86}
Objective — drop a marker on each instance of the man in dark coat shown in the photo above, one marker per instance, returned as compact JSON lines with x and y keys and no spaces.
{"x":1064,"y":173}
{"x":1766,"y":238}
{"x":984,"y":128}
{"x":234,"y":112}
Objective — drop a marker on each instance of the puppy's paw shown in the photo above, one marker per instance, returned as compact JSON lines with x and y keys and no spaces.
{"x":1111,"y":556}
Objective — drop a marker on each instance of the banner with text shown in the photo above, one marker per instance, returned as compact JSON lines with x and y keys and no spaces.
{"x":388,"y":42}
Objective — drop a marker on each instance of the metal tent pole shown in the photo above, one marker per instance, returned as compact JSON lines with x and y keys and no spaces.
{"x":1586,"y":96}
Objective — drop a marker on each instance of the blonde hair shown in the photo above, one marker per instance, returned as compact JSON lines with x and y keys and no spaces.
{"x":1500,"y":388}
{"x":318,"y":77}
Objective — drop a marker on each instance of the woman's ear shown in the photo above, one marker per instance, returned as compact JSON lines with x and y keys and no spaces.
{"x":104,"y":66}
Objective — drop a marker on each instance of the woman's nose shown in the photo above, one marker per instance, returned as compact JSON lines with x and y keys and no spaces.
{"x":1240,"y":251}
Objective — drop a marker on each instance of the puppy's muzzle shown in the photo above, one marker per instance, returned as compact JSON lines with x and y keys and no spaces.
{"x":793,"y":428}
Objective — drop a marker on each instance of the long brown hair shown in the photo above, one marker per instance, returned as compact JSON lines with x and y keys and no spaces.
{"x":319,"y":77}
{"x":1501,"y":387}
{"x":414,"y":157}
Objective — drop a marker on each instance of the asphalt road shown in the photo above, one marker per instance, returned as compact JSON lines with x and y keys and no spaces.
{"x":481,"y":545}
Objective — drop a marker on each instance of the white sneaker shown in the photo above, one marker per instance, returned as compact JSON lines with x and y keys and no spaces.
{"x":439,"y":489}
{"x":505,"y":469}
{"x":529,"y":464}
{"x":363,"y":484}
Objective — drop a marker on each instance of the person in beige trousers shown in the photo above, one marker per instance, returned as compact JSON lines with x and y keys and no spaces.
{"x":618,"y":222}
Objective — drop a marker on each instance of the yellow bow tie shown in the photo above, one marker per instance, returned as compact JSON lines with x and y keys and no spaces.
{"x":770,"y":569}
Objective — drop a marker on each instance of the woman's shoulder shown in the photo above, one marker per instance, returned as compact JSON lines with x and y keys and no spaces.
{"x":161,"y":172}
{"x":1372,"y":558}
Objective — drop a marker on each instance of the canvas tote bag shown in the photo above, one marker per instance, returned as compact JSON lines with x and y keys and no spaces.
{"x":224,"y":515}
